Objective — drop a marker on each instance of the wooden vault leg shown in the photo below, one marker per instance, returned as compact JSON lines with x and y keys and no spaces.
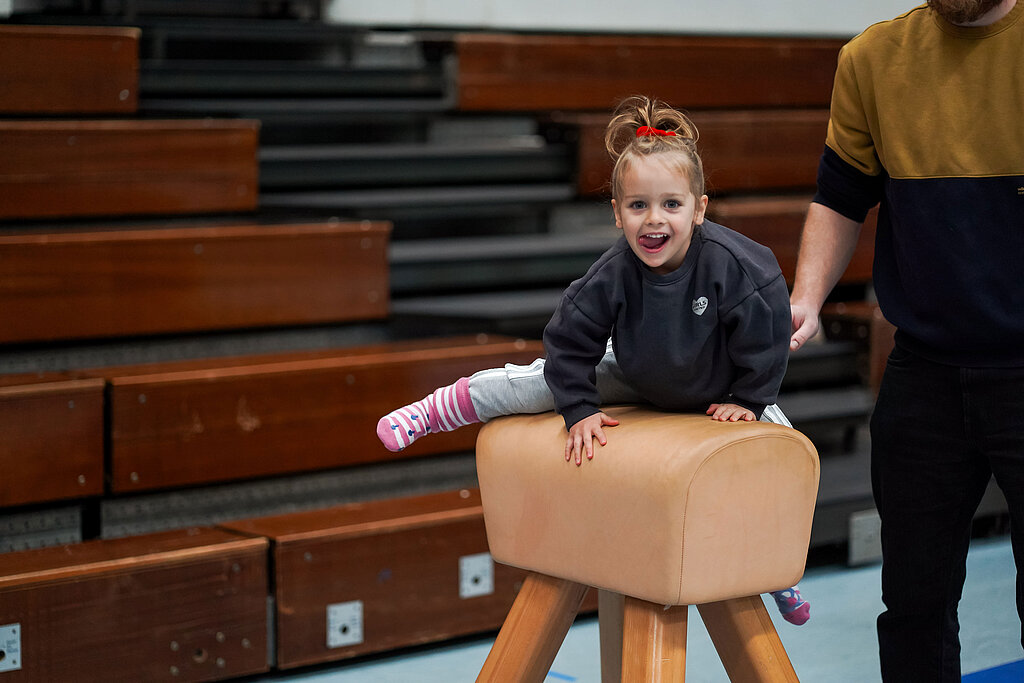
{"x":609,"y":616}
{"x":653,"y":642}
{"x":533,"y":630}
{"x":746,"y":641}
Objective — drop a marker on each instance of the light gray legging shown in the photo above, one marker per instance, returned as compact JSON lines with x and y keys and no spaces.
{"x":521,"y":390}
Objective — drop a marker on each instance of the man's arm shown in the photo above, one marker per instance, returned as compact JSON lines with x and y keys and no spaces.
{"x":826,"y":248}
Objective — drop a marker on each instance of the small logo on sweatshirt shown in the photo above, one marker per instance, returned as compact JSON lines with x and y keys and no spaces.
{"x":700,"y":305}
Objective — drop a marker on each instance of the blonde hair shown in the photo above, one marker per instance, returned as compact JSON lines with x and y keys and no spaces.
{"x":621,"y":141}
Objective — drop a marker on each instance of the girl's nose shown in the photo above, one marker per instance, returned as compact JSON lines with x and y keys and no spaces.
{"x":654,"y":217}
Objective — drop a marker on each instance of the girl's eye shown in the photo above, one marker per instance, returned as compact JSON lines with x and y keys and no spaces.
{"x":672,"y":204}
{"x":637,"y":204}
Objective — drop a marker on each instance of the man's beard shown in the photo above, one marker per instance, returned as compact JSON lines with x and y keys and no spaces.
{"x":962,"y":11}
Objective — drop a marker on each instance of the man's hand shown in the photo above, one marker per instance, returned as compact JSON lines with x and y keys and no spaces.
{"x":826,"y":247}
{"x":805,"y":325}
{"x":730,"y":412}
{"x":582,"y":435}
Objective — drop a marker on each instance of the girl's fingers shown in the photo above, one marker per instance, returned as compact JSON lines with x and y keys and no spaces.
{"x":726,"y":412}
{"x":582,"y":442}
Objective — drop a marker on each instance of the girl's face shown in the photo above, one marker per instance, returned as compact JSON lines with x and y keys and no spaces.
{"x":657,"y":212}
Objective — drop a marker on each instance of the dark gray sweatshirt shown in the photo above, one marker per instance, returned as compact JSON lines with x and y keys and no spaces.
{"x":714,"y":330}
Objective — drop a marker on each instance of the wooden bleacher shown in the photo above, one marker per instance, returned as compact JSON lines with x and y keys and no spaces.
{"x":52,"y":445}
{"x":743,"y":151}
{"x":386,"y":574}
{"x":159,"y":280}
{"x":777,"y":222}
{"x":200,"y":422}
{"x":188,"y":605}
{"x":762,"y":128}
{"x":69,"y":70}
{"x":56,"y":169}
{"x":506,"y":72}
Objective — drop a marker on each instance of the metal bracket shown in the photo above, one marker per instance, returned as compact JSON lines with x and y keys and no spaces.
{"x":345,"y":623}
{"x":10,"y":647}
{"x":476,"y":575}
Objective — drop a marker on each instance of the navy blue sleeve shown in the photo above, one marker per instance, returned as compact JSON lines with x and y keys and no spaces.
{"x":844,"y":189}
{"x":574,"y":344}
{"x":758,"y":345}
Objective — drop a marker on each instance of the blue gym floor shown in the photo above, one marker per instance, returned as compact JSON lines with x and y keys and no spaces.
{"x":836,"y":646}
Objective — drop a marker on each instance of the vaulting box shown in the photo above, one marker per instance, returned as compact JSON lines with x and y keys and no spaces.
{"x":186,"y":605}
{"x":370,"y":577}
{"x":678,"y":509}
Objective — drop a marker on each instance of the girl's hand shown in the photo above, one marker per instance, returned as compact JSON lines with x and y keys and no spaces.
{"x":582,"y":435}
{"x":730,"y":412}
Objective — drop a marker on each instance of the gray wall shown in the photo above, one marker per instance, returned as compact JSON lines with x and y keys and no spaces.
{"x":758,"y":17}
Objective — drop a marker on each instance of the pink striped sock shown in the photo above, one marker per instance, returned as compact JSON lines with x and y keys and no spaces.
{"x":447,"y":408}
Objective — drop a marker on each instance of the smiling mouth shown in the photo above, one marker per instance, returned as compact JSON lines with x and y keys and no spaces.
{"x":652,"y":241}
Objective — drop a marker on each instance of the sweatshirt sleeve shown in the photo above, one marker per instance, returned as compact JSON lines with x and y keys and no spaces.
{"x":758,"y":343}
{"x":850,"y":173}
{"x":846,"y":190}
{"x":574,"y":344}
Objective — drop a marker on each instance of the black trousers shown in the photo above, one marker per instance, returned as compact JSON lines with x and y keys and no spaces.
{"x":938,"y":435}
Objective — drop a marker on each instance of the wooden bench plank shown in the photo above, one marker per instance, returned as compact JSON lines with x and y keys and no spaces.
{"x":119,"y":283}
{"x":504,"y":72}
{"x":394,"y":562}
{"x":124,"y":167}
{"x":777,"y":222}
{"x":62,"y":69}
{"x":52,"y":443}
{"x":186,"y":605}
{"x":742,"y":151}
{"x":197,"y":425}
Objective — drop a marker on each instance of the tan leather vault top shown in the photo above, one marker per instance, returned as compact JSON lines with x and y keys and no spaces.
{"x":676,"y":509}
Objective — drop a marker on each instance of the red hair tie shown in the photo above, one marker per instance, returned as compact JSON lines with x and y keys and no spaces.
{"x":643,"y":131}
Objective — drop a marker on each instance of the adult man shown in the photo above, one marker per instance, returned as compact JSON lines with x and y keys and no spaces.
{"x":926,"y":120}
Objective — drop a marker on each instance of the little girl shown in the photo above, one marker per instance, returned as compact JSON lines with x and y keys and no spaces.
{"x":681,"y":313}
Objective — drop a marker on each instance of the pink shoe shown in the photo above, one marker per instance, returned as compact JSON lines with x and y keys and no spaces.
{"x":792,"y":606}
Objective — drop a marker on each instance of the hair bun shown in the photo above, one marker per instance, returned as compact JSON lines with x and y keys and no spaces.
{"x":641,"y":126}
{"x":639,"y":117}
